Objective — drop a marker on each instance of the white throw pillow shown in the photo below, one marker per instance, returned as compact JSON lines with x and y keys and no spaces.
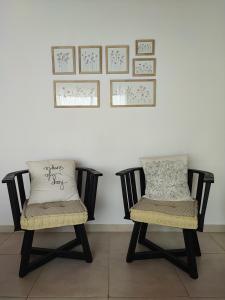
{"x":166,"y":178}
{"x":52,"y":180}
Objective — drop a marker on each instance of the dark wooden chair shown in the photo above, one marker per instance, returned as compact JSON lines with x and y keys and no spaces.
{"x":192,"y":248}
{"x":87,"y":181}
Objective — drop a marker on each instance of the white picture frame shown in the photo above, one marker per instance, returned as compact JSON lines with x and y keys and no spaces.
{"x":63,"y":60}
{"x":117,"y":59}
{"x":90,"y":59}
{"x":144,"y":66}
{"x":133,"y":93}
{"x":76,"y":93}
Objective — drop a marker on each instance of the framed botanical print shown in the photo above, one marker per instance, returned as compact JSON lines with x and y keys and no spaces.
{"x":77,"y":93}
{"x":144,"y":67}
{"x":117,"y":59}
{"x":90,"y":59}
{"x":133,"y":92}
{"x":145,"y":47}
{"x":63,"y":60}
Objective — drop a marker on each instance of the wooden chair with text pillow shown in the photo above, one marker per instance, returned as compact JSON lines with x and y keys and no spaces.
{"x":167,"y":187}
{"x":61,"y":195}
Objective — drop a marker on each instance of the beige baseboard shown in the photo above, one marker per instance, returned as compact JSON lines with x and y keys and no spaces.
{"x":120,"y":228}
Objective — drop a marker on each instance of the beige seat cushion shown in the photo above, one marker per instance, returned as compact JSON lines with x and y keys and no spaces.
{"x":181,"y":214}
{"x":53,"y":214}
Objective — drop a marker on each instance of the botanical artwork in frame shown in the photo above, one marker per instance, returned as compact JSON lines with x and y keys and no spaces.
{"x":63,"y":60}
{"x":77,"y":93}
{"x":117,"y":59}
{"x":90,"y":59}
{"x":144,"y":67}
{"x":145,"y":47}
{"x":133,"y":92}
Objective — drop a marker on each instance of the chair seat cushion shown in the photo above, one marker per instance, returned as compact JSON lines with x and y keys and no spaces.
{"x":181,"y":214}
{"x":53,"y":214}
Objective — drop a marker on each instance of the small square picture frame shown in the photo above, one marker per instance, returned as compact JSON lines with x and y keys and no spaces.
{"x":144,"y":67}
{"x":90,"y":59}
{"x":117,"y":59}
{"x":63,"y":60}
{"x":145,"y":47}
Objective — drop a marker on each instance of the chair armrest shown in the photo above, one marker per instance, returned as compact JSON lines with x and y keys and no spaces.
{"x":9,"y":179}
{"x":11,"y":176}
{"x":89,"y":170}
{"x":126,"y":171}
{"x":90,"y":182}
{"x":205,"y":179}
{"x":208,"y":177}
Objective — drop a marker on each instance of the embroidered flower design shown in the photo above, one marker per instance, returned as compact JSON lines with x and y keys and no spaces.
{"x":166,"y":180}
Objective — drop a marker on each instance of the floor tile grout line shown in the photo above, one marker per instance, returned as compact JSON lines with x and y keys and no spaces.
{"x":123,"y":297}
{"x":109,"y":243}
{"x":38,"y":276}
{"x":220,"y":245}
{"x":180,"y":279}
{"x":7,"y":238}
{"x":67,"y":297}
{"x":176,"y":269}
{"x":159,"y":297}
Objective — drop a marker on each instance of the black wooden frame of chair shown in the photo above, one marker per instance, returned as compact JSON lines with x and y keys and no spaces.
{"x":17,"y":196}
{"x":192,"y":248}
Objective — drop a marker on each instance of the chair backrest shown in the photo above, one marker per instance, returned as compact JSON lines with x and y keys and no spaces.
{"x":87,"y":181}
{"x":199,"y":184}
{"x":129,"y":187}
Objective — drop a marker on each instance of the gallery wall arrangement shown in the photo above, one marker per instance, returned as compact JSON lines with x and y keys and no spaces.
{"x":135,"y":92}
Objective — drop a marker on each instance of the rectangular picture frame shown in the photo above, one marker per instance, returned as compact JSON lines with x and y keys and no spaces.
{"x":145,"y":47}
{"x":128,"y":93}
{"x":144,"y":67}
{"x":119,"y":61}
{"x":63,"y":60}
{"x":90,"y":59}
{"x":65,"y":91}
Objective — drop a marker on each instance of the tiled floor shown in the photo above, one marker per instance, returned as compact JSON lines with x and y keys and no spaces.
{"x":109,"y":276}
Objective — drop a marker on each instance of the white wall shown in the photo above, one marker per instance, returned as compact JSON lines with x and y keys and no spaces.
{"x":189,"y":115}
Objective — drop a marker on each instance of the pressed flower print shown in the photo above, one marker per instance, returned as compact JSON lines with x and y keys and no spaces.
{"x":63,"y":60}
{"x":90,"y":59}
{"x":117,"y":59}
{"x":76,"y":93}
{"x":133,"y":92}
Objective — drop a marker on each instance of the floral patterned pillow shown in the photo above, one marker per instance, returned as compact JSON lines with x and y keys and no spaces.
{"x":166,"y":178}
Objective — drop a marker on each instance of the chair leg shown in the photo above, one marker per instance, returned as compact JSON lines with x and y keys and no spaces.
{"x":143,"y":231}
{"x":133,"y":241}
{"x":77,"y":233}
{"x":196,"y":244}
{"x":25,"y":252}
{"x":84,"y":242}
{"x":190,"y":248}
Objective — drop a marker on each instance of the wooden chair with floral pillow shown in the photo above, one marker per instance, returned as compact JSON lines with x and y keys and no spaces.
{"x":60,"y":195}
{"x":171,"y":195}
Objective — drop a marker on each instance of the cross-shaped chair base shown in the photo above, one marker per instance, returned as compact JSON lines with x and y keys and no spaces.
{"x":191,"y":249}
{"x":48,"y":254}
